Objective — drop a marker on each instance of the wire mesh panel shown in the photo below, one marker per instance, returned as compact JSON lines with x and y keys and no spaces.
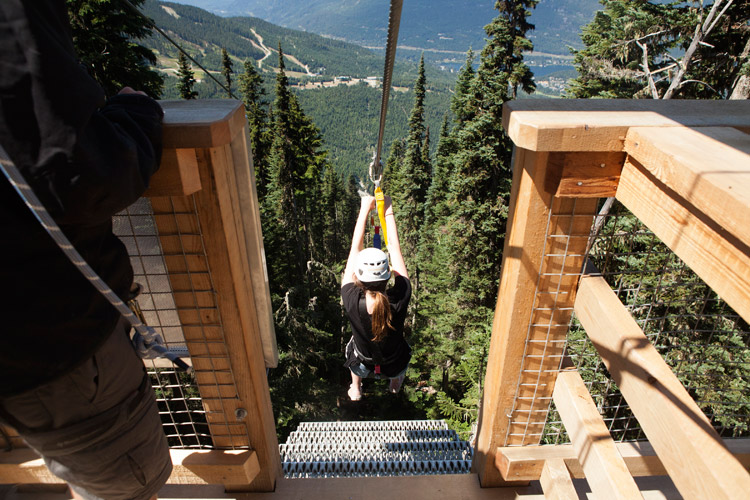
{"x":701,"y":338}
{"x":567,"y":234}
{"x":164,"y":240}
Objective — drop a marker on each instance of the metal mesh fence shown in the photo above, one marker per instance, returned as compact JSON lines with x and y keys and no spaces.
{"x":703,"y":340}
{"x":177,"y":299}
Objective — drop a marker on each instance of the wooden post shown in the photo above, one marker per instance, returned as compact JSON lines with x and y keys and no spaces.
{"x":214,"y":254}
{"x":688,"y":446}
{"x":556,"y":481}
{"x":605,"y":469}
{"x":524,"y":241}
{"x":542,"y":260}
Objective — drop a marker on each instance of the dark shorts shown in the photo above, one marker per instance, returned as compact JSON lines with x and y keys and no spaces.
{"x":357,"y":367}
{"x":98,"y":427}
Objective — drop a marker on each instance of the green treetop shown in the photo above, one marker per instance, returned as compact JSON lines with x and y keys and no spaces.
{"x":185,"y":78}
{"x":226,"y":70}
{"x":104,"y":34}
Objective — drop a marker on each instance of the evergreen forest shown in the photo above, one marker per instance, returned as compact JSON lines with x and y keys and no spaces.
{"x":447,"y":166}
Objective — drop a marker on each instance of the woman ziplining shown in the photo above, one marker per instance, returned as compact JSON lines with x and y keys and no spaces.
{"x":377,"y":312}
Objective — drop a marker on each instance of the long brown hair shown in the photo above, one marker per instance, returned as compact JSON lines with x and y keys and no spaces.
{"x":381,"y":311}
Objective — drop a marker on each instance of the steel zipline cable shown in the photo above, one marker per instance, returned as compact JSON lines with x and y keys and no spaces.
{"x":394,"y":21}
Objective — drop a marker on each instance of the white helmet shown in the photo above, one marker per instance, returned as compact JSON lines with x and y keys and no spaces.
{"x":372,"y":265}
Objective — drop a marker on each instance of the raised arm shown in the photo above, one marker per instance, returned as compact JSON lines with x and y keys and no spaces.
{"x":394,"y":247}
{"x":358,"y":239}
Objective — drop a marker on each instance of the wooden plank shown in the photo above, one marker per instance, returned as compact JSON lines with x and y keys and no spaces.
{"x":232,"y":468}
{"x":249,"y":213}
{"x":714,"y":254}
{"x":525,"y":463}
{"x":708,"y":167}
{"x":602,"y":124}
{"x":531,"y":256}
{"x":585,"y":175}
{"x":201,"y":123}
{"x":605,"y":469}
{"x":556,"y":481}
{"x":688,"y":446}
{"x":177,"y":175}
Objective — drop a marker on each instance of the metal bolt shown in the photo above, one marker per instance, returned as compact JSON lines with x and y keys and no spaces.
{"x":579,"y":183}
{"x":240,"y":414}
{"x":601,"y":166}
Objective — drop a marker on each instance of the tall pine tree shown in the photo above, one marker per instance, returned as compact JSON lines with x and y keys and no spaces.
{"x":185,"y":78}
{"x":105,"y":34}
{"x":253,"y":93}
{"x":467,"y":222}
{"x":226,"y":70}
{"x":408,"y":188}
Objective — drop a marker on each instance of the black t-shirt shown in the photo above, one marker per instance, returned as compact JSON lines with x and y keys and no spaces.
{"x":394,"y":346}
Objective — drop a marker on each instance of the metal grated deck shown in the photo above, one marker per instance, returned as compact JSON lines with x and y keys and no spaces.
{"x":384,"y":448}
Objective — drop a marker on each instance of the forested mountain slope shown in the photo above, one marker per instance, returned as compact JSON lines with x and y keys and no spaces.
{"x":428,"y":24}
{"x":204,"y":35}
{"x":346,"y":115}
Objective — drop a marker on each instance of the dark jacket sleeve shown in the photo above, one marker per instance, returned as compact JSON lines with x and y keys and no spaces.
{"x":86,"y":159}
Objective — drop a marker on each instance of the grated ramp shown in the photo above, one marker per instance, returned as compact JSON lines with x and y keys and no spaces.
{"x":383,"y":448}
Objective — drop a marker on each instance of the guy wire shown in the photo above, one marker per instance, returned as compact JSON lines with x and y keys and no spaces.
{"x":153,"y":25}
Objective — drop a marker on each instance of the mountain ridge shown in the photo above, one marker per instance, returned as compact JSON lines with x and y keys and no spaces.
{"x":426,"y":24}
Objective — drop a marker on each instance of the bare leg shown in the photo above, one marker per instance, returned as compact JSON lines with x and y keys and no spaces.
{"x":355,"y":390}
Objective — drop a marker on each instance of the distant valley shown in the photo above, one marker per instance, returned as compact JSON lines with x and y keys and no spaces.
{"x":430,"y":25}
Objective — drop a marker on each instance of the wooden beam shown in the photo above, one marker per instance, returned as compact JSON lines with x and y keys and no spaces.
{"x":542,"y":260}
{"x":177,"y":175}
{"x":602,"y":124}
{"x":529,"y":209}
{"x":585,"y":175}
{"x":230,"y":263}
{"x":201,"y":123}
{"x":708,"y":167}
{"x":690,"y":449}
{"x":556,"y":481}
{"x":605,"y":469}
{"x":235,"y":469}
{"x":231,"y":468}
{"x":525,"y":463}
{"x":713,"y":253}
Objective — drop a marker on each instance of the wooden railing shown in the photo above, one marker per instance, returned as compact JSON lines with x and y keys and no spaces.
{"x":681,"y":167}
{"x":207,"y":215}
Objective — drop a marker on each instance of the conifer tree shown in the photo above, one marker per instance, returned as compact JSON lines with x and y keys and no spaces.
{"x":283,"y":214}
{"x":409,"y":188}
{"x":226,"y":70}
{"x":105,"y":34}
{"x":469,"y":223}
{"x":186,"y":78}
{"x":663,"y":50}
{"x":253,"y":93}
{"x":461,"y":104}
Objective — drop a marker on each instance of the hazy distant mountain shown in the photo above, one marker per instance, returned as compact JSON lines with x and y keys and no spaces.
{"x":429,"y":24}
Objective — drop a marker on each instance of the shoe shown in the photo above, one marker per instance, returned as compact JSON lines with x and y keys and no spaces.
{"x":395,"y":385}
{"x":354,"y":392}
